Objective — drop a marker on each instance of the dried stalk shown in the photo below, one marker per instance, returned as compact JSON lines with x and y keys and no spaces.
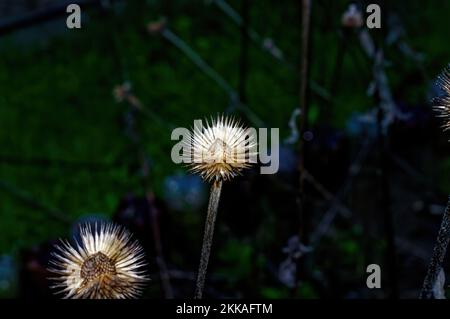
{"x":305,"y":25}
{"x":213,"y":204}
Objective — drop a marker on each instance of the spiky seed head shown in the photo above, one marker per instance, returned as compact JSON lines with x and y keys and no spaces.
{"x":442,"y":103}
{"x":221,"y":150}
{"x":107,"y":264}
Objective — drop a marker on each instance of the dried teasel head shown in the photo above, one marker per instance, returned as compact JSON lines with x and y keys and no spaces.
{"x":221,"y":150}
{"x":442,"y":104}
{"x":107,"y":264}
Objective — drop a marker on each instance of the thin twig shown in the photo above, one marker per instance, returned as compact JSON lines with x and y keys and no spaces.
{"x":170,"y":36}
{"x":327,"y":195}
{"x":124,"y":93}
{"x":414,"y":173}
{"x":163,"y":270}
{"x":331,"y":213}
{"x":208,"y":237}
{"x":197,"y":60}
{"x":243,"y":56}
{"x":268,"y":46}
{"x":381,"y":99}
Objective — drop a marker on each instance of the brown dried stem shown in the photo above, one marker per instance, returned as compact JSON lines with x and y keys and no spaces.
{"x":213,"y":204}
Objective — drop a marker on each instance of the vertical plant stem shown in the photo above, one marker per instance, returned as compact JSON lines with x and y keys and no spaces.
{"x":160,"y":261}
{"x":388,"y":220}
{"x":439,"y":251}
{"x":305,"y":25}
{"x":214,"y":197}
{"x":303,"y":124}
{"x":382,"y":97}
{"x":243,"y":61}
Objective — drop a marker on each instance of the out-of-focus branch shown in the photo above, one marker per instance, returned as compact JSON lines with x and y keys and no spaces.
{"x":160,"y":27}
{"x":268,"y":45}
{"x":331,"y":213}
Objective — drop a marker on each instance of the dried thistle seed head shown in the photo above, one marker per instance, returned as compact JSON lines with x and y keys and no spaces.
{"x":221,"y":150}
{"x":107,"y":265}
{"x":442,"y":103}
{"x":96,"y":266}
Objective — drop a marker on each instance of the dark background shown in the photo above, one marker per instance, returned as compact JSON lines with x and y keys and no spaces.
{"x":74,"y":147}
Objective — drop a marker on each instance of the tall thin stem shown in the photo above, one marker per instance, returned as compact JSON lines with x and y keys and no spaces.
{"x":243,"y":60}
{"x":440,"y":249}
{"x":160,"y":261}
{"x":303,"y":105}
{"x":213,"y":204}
{"x":388,"y":220}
